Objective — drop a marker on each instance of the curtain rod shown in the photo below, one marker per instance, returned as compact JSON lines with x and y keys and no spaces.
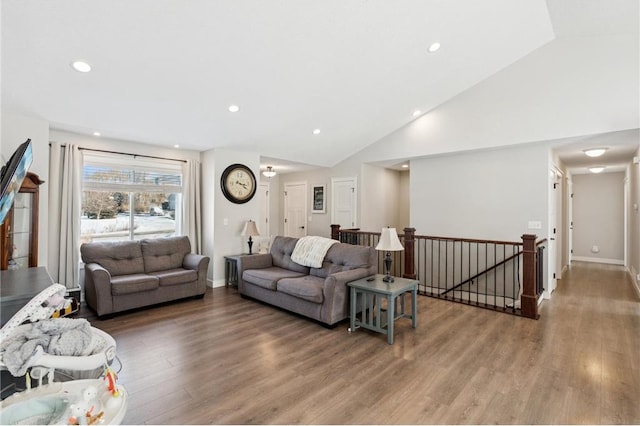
{"x":133,"y":155}
{"x":126,"y":153}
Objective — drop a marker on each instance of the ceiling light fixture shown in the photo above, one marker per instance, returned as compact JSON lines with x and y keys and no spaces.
{"x":595,"y":152}
{"x":234,"y":108}
{"x":434,"y":47}
{"x":269,"y":172}
{"x":96,"y":133}
{"x":316,"y":132}
{"x":596,"y":169}
{"x":81,"y":66}
{"x":417,"y":113}
{"x":405,"y":166}
{"x":176,"y":146}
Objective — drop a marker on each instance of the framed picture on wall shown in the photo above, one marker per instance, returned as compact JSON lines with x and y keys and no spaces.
{"x":319,"y":199}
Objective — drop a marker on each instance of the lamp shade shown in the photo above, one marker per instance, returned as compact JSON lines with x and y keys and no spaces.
{"x":389,"y":240}
{"x":250,"y":229}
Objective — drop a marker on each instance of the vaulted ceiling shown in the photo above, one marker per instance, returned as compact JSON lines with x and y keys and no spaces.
{"x":166,"y":72}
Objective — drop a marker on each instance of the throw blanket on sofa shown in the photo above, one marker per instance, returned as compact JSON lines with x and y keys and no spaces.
{"x":310,"y":251}
{"x":59,"y":336}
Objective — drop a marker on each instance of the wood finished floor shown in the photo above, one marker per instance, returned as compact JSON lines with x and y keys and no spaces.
{"x":227,"y":360}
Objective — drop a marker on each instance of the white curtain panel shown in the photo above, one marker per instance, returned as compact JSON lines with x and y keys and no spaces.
{"x":191,"y":208}
{"x":65,"y":200}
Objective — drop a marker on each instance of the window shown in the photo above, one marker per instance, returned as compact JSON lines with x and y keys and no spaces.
{"x":129,"y":198}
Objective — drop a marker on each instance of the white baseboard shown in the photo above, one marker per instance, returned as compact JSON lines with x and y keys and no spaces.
{"x":598,"y":260}
{"x":215,"y":283}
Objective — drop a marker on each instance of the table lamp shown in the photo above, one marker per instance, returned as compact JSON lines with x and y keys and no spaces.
{"x":388,"y":242}
{"x":251,"y":230}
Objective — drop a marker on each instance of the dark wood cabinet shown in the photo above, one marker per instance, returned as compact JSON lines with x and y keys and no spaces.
{"x":19,"y":232}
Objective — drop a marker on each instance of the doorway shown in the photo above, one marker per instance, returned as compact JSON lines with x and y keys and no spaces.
{"x":295,"y":209}
{"x":344,"y":196}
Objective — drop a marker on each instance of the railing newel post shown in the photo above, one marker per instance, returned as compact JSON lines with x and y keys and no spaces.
{"x":529,"y":298}
{"x":335,"y":232}
{"x":409,"y":256}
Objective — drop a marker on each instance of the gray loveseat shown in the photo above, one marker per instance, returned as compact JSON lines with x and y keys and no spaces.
{"x":124,"y":275}
{"x":317,"y":293}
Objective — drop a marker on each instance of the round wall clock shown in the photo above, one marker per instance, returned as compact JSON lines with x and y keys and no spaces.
{"x":238,"y":183}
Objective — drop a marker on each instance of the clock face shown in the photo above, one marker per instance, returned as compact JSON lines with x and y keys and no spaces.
{"x":238,"y":183}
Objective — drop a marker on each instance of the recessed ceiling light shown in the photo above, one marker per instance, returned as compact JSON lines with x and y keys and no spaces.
{"x":417,"y":113}
{"x":234,"y":108}
{"x":316,"y":132}
{"x":597,"y":169}
{"x":434,"y":47}
{"x":595,"y":152}
{"x":96,"y":133}
{"x":176,"y":146}
{"x":405,"y":166}
{"x":81,"y":66}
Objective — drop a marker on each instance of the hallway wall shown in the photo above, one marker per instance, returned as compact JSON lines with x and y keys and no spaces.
{"x":598,"y":217}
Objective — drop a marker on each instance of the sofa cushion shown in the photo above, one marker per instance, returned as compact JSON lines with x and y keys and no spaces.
{"x":343,"y":257}
{"x":281,"y":250}
{"x":307,"y":287}
{"x":135,"y":283}
{"x":176,"y":276}
{"x":161,"y":254}
{"x":268,"y":277}
{"x":117,"y":257}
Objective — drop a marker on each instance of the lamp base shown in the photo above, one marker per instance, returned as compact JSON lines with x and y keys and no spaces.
{"x":387,"y":268}
{"x":250,"y":244}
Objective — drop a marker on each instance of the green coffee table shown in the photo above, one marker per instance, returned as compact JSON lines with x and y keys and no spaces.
{"x":372,"y":315}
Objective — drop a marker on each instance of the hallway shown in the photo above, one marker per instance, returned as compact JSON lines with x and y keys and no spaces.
{"x":593,"y":321}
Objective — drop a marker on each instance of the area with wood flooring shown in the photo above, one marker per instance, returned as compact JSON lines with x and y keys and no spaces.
{"x":229,"y":360}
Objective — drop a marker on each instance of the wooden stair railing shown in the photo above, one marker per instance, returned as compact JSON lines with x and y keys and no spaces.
{"x":529,"y":296}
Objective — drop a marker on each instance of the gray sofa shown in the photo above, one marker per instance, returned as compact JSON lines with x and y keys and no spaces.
{"x":124,"y":275}
{"x":317,"y":293}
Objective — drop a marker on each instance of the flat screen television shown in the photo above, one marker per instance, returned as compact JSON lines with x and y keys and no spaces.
{"x":12,"y":175}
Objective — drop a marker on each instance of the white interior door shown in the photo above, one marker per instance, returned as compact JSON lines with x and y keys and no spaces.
{"x":263,"y":220}
{"x":295,"y":210}
{"x":555,"y":243}
{"x":344,"y":195}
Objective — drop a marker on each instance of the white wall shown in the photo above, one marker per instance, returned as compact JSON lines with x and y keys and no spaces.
{"x":15,"y":130}
{"x":380,"y":195}
{"x":490,"y":194}
{"x":598,"y":217}
{"x":223,"y":220}
{"x":404,"y":203}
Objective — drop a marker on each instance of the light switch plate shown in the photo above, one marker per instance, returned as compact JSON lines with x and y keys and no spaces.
{"x":535,"y":224}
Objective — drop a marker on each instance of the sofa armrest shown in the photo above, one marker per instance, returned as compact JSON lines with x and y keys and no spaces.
{"x":194,"y":261}
{"x":200,"y":264}
{"x":253,"y":261}
{"x":336,"y":293}
{"x":97,"y":288}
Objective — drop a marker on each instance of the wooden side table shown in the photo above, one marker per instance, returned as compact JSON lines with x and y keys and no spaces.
{"x":372,"y":292}
{"x":231,"y":269}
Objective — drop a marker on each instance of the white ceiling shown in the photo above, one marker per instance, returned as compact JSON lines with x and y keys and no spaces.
{"x":166,"y":71}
